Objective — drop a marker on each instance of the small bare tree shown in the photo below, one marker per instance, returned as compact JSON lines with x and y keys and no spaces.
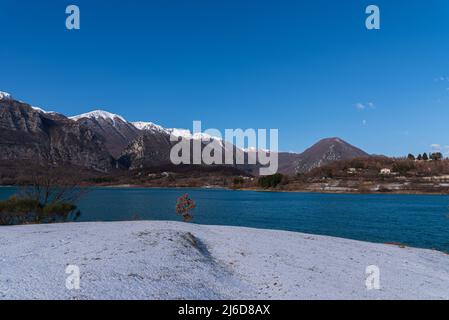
{"x":46,"y":198}
{"x":52,"y":188}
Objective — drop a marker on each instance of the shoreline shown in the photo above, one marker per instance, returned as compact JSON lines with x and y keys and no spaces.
{"x":130,"y":186}
{"x":142,"y":186}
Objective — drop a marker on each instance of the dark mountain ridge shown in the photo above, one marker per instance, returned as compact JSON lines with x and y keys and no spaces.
{"x":100,"y":140}
{"x":31,"y":136}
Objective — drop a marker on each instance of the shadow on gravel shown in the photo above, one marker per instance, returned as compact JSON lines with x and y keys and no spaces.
{"x":199,"y":245}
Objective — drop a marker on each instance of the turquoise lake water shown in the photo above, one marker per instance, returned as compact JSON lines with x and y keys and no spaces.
{"x":415,"y":220}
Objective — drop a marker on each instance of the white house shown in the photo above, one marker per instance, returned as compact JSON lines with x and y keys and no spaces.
{"x":385,"y":171}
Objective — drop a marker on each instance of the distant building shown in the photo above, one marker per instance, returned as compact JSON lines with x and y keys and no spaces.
{"x":385,"y":171}
{"x":352,"y":170}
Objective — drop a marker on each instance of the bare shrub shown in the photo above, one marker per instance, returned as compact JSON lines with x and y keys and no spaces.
{"x":45,"y":198}
{"x":184,"y":205}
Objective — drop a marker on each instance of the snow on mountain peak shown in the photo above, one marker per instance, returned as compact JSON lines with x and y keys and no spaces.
{"x":180,"y":133}
{"x":5,"y":96}
{"x":186,"y":134}
{"x":40,"y":110}
{"x":98,"y":114}
{"x":255,"y":150}
{"x":150,"y":126}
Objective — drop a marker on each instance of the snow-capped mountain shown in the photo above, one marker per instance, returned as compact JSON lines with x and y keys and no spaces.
{"x":124,"y":138}
{"x":116,"y":132}
{"x":39,"y":109}
{"x":148,"y":126}
{"x":5,"y":96}
{"x":99,"y":114}
{"x":47,"y":112}
{"x":152,"y":147}
{"x":31,"y":137}
{"x":182,"y":133}
{"x":90,"y":139}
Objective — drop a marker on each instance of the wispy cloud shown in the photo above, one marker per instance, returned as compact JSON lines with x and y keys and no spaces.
{"x":435,"y":147}
{"x":441,"y":79}
{"x":439,"y":148}
{"x":360,"y":106}
{"x":364,"y":105}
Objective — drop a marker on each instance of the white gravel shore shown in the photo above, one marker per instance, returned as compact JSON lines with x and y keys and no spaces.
{"x":171,"y":260}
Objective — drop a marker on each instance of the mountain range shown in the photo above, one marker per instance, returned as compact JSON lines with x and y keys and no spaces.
{"x":102,"y":141}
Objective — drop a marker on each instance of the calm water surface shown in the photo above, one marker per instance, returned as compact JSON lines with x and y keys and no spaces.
{"x":415,"y":220}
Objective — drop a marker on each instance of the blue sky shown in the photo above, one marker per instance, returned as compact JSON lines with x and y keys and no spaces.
{"x":309,"y":68}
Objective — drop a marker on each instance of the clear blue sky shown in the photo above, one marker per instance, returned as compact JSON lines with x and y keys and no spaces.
{"x":299,"y":66}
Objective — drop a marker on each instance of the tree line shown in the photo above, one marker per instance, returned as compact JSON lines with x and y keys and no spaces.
{"x":435,"y":156}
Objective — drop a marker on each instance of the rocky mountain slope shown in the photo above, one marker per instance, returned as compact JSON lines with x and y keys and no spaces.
{"x":29,"y":135}
{"x":322,"y":153}
{"x":150,"y":149}
{"x":114,"y":129}
{"x":98,"y":138}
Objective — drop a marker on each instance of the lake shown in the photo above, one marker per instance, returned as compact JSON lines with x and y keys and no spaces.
{"x":414,"y":220}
